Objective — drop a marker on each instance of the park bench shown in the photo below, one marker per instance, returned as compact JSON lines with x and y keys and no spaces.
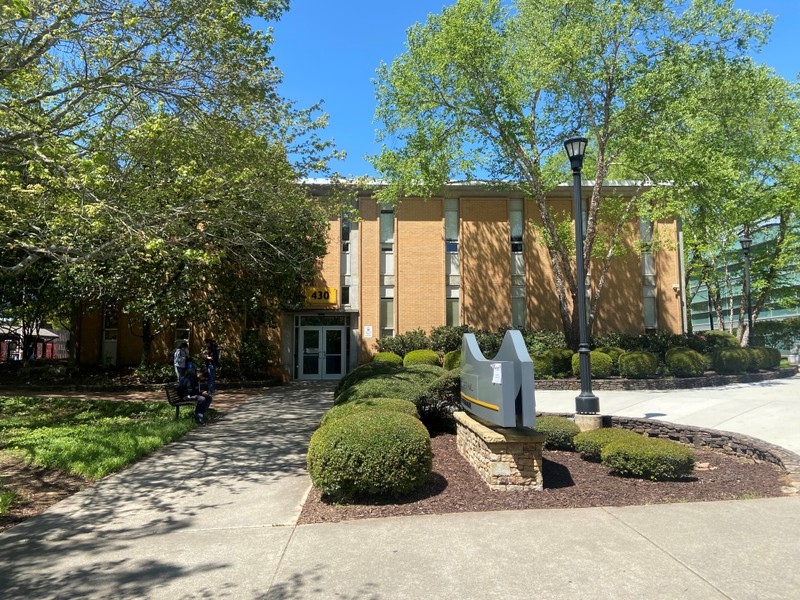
{"x":176,"y":400}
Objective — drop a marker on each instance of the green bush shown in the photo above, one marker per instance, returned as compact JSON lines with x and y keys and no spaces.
{"x":489,"y":342}
{"x":539,"y":341}
{"x":685,"y":362}
{"x":439,"y":399}
{"x":590,"y":444}
{"x":403,"y":343}
{"x":614,"y":352}
{"x":562,"y":361}
{"x":389,"y":357}
{"x":421,"y":357}
{"x":407,"y":383}
{"x":155,"y":373}
{"x":341,"y":411}
{"x":730,"y":361}
{"x":599,"y":362}
{"x":638,"y":365}
{"x":452,"y":360}
{"x":365,"y":371}
{"x":447,"y":338}
{"x":559,"y":432}
{"x":371,"y":453}
{"x":648,"y":458}
{"x":717,"y":340}
{"x":762,"y":358}
{"x":542,"y":365}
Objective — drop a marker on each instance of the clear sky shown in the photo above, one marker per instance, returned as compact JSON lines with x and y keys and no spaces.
{"x":329,"y":50}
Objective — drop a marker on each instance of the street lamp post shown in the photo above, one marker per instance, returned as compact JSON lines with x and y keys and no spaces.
{"x":745,"y":243}
{"x":586,"y":402}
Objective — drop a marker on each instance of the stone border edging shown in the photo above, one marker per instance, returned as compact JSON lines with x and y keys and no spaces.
{"x":735,"y":444}
{"x":670,"y":383}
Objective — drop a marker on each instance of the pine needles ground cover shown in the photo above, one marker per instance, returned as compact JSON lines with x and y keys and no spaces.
{"x":90,"y":438}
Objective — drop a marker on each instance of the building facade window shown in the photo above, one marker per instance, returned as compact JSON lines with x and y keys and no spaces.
{"x":516,"y":219}
{"x":452,"y":263}
{"x":387,"y":304}
{"x":349,"y":266}
{"x":649,"y":295}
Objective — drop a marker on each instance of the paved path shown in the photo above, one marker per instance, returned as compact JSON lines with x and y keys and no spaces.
{"x":214,"y":516}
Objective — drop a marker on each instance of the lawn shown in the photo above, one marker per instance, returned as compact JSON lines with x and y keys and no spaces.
{"x":89,"y":438}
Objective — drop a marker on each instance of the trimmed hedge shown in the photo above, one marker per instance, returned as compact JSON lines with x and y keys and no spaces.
{"x":368,"y":454}
{"x":762,"y":359}
{"x":363,"y":372}
{"x":452,"y":360}
{"x":340,"y":411}
{"x":406,"y":383}
{"x":590,"y":444}
{"x":638,"y":365}
{"x":599,"y":362}
{"x":685,"y":362}
{"x":421,"y":357}
{"x":559,"y":432}
{"x":439,"y":399}
{"x":648,"y":458}
{"x":389,"y":357}
{"x":542,"y":365}
{"x":614,"y":352}
{"x":730,"y":361}
{"x":562,"y":361}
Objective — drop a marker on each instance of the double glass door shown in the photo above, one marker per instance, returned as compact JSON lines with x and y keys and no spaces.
{"x":322,"y":352}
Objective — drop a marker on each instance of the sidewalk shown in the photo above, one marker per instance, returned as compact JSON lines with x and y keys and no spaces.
{"x":214,"y":516}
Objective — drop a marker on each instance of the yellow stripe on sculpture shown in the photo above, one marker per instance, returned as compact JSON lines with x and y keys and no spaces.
{"x":484,"y":404}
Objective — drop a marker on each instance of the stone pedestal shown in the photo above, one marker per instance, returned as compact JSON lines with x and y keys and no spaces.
{"x":588,"y":422}
{"x":507,"y":459}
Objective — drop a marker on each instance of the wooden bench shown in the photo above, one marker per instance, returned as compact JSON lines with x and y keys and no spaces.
{"x":175,"y":400}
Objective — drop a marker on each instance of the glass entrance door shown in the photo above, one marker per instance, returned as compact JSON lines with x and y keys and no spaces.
{"x":322,"y":352}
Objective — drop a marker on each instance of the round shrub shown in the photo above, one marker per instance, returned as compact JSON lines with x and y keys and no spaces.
{"x":762,"y":358}
{"x":590,"y":444}
{"x":685,"y":362}
{"x":614,"y":352}
{"x":648,"y":458}
{"x":562,"y":361}
{"x":452,"y":360}
{"x":599,"y":362}
{"x":638,"y":365}
{"x":370,"y":453}
{"x":717,"y":340}
{"x":421,"y":357}
{"x":559,"y":432}
{"x":388,"y":357}
{"x":439,"y":399}
{"x":370,"y":369}
{"x":406,"y":383}
{"x":340,"y":411}
{"x":730,"y":361}
{"x":542,"y":366}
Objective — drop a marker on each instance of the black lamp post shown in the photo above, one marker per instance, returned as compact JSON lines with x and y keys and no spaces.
{"x":586,"y":402}
{"x":746,"y":242}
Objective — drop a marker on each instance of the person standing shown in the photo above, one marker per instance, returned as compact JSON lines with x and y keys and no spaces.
{"x":211,"y":358}
{"x":180,"y":358}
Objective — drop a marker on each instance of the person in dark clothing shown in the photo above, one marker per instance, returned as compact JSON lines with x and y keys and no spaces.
{"x":189,"y":387}
{"x":211,"y":358}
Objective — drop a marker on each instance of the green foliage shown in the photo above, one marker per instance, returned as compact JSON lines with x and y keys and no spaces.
{"x":638,"y":365}
{"x":590,"y":444}
{"x":408,"y":383}
{"x":7,"y":498}
{"x":600,"y":364}
{"x":452,"y":360}
{"x":448,"y":338}
{"x":762,"y":359}
{"x":91,"y":438}
{"x":730,"y":361}
{"x":717,"y":340}
{"x":614,"y":352}
{"x":254,"y":355}
{"x":389,"y":357}
{"x":648,"y":458}
{"x":440,"y":398}
{"x":561,"y":359}
{"x":363,"y":372}
{"x":372,"y":453}
{"x":421,"y":357}
{"x":542,"y":340}
{"x":489,"y":342}
{"x":559,"y":431}
{"x":341,"y":411}
{"x":542,"y":366}
{"x":403,"y":343}
{"x":154,"y":373}
{"x":777,"y":334}
{"x":685,"y":362}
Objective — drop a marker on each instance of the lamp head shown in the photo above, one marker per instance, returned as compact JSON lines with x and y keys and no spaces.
{"x":576,"y":148}
{"x":745,"y":242}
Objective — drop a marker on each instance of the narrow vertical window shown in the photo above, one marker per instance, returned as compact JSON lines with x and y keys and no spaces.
{"x":452,"y":263}
{"x":517,"y":225}
{"x":649,"y":295}
{"x":387,"y":307}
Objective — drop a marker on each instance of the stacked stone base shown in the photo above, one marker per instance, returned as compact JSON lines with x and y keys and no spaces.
{"x":506,"y":459}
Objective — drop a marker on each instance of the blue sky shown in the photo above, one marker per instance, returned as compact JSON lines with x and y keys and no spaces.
{"x":329,"y":51}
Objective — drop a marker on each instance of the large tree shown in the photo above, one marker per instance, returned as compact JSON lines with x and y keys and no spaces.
{"x":492,"y":89}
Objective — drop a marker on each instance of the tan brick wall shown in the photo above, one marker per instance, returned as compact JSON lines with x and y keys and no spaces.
{"x":369,"y":253}
{"x":420,"y":268}
{"x":329,"y":274}
{"x":542,"y":301}
{"x":485,"y":262}
{"x":668,"y":274}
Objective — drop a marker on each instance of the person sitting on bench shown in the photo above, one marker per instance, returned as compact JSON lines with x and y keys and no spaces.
{"x":189,"y":387}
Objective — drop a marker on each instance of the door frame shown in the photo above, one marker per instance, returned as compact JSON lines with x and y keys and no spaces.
{"x":322,"y":374}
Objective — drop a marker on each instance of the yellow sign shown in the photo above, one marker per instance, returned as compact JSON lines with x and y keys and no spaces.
{"x":321,"y":296}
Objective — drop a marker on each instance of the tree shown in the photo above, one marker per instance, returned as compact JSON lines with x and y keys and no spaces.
{"x":487,"y":88}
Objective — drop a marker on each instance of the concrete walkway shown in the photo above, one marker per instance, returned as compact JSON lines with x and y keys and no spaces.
{"x":214,"y":516}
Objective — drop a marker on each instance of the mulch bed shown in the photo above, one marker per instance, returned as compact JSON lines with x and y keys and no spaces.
{"x":569,"y":482}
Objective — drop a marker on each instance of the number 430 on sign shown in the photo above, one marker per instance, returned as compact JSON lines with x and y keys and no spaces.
{"x":321,"y":296}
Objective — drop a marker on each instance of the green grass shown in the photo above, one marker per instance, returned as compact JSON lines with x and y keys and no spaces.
{"x":91,"y":438}
{"x":7,"y":498}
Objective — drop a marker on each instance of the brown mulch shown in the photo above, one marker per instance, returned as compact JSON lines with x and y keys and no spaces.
{"x":569,"y":482}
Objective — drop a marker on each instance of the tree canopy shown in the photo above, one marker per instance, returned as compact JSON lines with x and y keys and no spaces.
{"x":491,"y":89}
